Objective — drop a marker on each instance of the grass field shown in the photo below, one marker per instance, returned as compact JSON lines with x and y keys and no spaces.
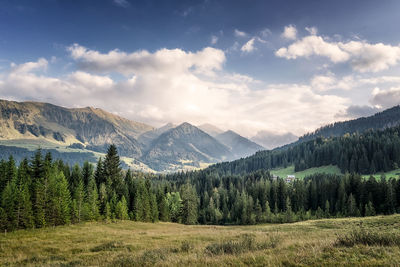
{"x":330,"y":169}
{"x":126,"y":243}
{"x":290,"y":171}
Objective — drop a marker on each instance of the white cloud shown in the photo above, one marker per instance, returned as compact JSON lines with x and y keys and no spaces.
{"x":214,"y":39}
{"x":121,"y":3}
{"x":41,"y":64}
{"x":362,"y":56}
{"x":289,"y":33}
{"x":312,"y":30}
{"x":162,"y":62}
{"x":385,"y":98}
{"x":313,"y":45}
{"x":323,"y":82}
{"x":239,"y":33}
{"x":174,"y":86}
{"x":249,"y":46}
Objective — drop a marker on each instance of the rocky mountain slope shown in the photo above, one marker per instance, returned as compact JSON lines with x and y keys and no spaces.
{"x":239,"y":146}
{"x":33,"y":124}
{"x":184,"y":144}
{"x":92,"y":128}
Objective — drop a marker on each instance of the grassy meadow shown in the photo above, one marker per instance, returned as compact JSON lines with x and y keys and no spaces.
{"x":330,"y":169}
{"x":125,"y":243}
{"x":283,"y":172}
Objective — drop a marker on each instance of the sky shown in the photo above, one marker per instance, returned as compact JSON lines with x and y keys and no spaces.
{"x":252,"y":66}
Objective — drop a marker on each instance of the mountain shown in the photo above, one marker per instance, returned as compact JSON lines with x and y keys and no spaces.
{"x":239,"y":146}
{"x":148,"y":137}
{"x":184,"y":145}
{"x":271,"y":140}
{"x":86,"y":127}
{"x":366,"y":145}
{"x":210,"y":129}
{"x":381,"y":120}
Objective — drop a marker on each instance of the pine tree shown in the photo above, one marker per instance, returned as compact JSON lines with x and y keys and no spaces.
{"x":154,"y":208}
{"x":9,"y":203}
{"x":59,"y":199}
{"x":189,"y":205}
{"x":121,"y":209}
{"x":92,"y":200}
{"x":79,"y":201}
{"x":24,"y":215}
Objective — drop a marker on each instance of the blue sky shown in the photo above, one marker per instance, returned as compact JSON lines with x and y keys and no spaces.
{"x":273,"y":66}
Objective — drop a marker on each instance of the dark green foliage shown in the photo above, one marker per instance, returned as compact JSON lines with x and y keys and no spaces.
{"x":369,"y":152}
{"x":43,"y":192}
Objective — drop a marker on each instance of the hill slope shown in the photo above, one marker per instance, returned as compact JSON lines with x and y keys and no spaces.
{"x":185,"y":143}
{"x":239,"y":146}
{"x":93,"y":128}
{"x":381,"y":120}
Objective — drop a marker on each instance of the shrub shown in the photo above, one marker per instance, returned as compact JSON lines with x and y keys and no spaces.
{"x":186,"y":246}
{"x":369,"y":238}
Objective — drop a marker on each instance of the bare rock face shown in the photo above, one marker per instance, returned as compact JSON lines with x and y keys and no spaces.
{"x":93,"y":128}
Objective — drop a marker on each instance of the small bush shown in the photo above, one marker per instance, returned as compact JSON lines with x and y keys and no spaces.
{"x":151,"y":257}
{"x":186,"y":246}
{"x":369,"y":238}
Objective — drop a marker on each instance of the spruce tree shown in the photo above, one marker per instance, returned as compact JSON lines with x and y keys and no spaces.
{"x":189,"y":205}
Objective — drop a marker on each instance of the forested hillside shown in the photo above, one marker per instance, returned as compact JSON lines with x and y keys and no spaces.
{"x":379,"y":121}
{"x":45,"y":192}
{"x":370,"y":152}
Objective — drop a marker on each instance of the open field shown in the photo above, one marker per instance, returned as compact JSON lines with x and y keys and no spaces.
{"x":330,"y":169}
{"x":290,"y":171}
{"x":126,"y":243}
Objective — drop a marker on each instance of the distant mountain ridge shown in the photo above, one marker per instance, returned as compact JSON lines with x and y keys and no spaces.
{"x":239,"y":146}
{"x":185,"y":143}
{"x":169,"y":148}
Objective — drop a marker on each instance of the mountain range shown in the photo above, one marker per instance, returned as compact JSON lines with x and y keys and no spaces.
{"x":169,"y":148}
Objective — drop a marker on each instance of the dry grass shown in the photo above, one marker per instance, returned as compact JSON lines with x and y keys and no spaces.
{"x":127,"y":243}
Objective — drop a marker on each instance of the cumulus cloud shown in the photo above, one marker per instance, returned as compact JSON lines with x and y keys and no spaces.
{"x":313,"y":45}
{"x":249,"y":46}
{"x":172,"y":85}
{"x":356,"y":111}
{"x":385,"y":98}
{"x":289,"y":32}
{"x":239,"y":33}
{"x":163,"y":61}
{"x":362,"y":56}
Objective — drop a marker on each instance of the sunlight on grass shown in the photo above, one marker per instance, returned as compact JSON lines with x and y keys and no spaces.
{"x":127,"y":243}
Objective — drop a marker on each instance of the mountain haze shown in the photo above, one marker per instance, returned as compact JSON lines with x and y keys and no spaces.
{"x":239,"y":146}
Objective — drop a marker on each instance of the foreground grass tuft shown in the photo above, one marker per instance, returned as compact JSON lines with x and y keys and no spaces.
{"x":245,"y":243}
{"x":368,"y":238}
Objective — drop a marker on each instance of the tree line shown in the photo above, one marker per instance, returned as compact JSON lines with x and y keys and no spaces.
{"x":367,"y":153}
{"x":44,"y":192}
